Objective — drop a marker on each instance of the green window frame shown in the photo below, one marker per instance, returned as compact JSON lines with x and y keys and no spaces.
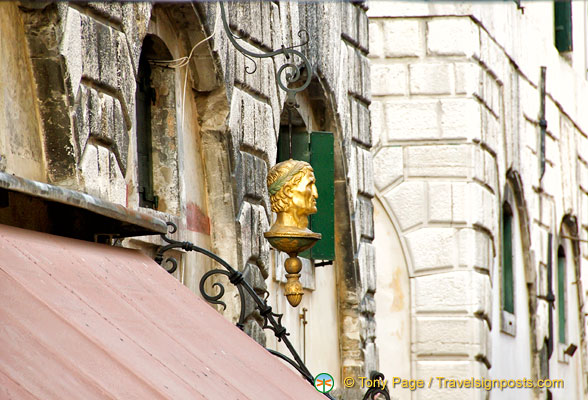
{"x":562,"y":16}
{"x":316,"y":148}
{"x":561,"y":295}
{"x":507,"y":260}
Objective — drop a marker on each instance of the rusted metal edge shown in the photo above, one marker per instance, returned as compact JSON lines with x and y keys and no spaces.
{"x":148,"y":223}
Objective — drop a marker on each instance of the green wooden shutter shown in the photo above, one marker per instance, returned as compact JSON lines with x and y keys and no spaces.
{"x":561,"y":287}
{"x":316,"y":148}
{"x":562,"y":10}
{"x":507,"y":267}
{"x":300,"y":146}
{"x":322,"y":160}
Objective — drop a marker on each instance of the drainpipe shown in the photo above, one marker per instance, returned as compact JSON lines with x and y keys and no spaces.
{"x":550,"y":296}
{"x":542,"y":123}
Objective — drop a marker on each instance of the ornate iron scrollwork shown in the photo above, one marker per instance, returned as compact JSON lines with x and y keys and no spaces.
{"x":272,"y":320}
{"x":378,"y":391}
{"x":290,"y":70}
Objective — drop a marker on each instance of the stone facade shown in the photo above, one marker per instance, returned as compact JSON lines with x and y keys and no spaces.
{"x":455,"y":121}
{"x":215,"y":136}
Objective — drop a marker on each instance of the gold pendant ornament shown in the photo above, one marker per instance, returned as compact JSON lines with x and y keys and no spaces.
{"x":293,"y":194}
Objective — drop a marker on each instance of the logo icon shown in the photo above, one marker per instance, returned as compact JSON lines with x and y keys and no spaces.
{"x":324,"y":382}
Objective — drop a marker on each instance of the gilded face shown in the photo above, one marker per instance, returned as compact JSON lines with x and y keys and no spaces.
{"x":304,"y":194}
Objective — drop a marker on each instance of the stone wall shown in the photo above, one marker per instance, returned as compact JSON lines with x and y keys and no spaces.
{"x":213,"y":153}
{"x":455,"y":123}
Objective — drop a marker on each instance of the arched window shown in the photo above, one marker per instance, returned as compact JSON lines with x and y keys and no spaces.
{"x":144,"y":96}
{"x":157,"y":149}
{"x":507,"y":259}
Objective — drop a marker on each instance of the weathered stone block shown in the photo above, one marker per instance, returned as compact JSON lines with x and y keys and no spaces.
{"x":44,"y":30}
{"x":475,"y":249}
{"x":377,"y":122}
{"x":376,"y":39}
{"x":114,"y":71}
{"x":403,"y":37}
{"x":362,"y":30}
{"x":71,"y":49}
{"x":451,"y":292}
{"x":99,"y":116}
{"x":101,"y":174}
{"x":453,"y":36}
{"x":483,"y":208}
{"x":449,"y":369}
{"x":388,"y":79}
{"x":389,"y":163}
{"x":446,"y":160}
{"x":368,"y":258}
{"x":467,"y":78}
{"x":54,"y":110}
{"x":365,"y":216}
{"x":360,"y":122}
{"x":449,"y":335}
{"x":111,"y":10}
{"x":408,"y":202}
{"x":491,"y":130}
{"x":493,"y":56}
{"x":412,"y":120}
{"x":135,"y":20}
{"x":460,"y":118}
{"x":245,"y":221}
{"x":440,"y":202}
{"x":253,"y":329}
{"x":430,"y":78}
{"x":491,"y":169}
{"x":490,"y":92}
{"x":368,"y":174}
{"x":433,"y":248}
{"x":349,"y":22}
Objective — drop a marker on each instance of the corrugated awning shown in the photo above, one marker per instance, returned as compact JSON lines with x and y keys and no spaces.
{"x":81,"y":320}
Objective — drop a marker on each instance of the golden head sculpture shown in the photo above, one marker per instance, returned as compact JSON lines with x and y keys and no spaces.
{"x":293,"y":194}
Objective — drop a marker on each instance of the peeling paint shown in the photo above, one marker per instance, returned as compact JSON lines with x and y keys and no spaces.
{"x":197,"y":220}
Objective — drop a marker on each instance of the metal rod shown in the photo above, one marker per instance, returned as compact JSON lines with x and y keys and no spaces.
{"x":237,"y":279}
{"x":542,"y":121}
{"x":289,"y":132}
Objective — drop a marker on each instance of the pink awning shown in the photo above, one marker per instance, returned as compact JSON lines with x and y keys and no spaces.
{"x":81,"y":320}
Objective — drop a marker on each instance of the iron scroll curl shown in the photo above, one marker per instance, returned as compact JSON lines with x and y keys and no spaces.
{"x":378,"y":391}
{"x":288,"y":73}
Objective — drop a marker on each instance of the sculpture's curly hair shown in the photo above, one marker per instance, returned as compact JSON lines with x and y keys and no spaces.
{"x":281,"y":199}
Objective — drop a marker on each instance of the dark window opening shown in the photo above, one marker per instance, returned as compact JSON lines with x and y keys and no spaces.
{"x":562,"y":11}
{"x":561,"y":294}
{"x":147,"y":113}
{"x":507,"y":260}
{"x":145,"y":96}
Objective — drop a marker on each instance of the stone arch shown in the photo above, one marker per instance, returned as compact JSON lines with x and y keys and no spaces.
{"x":573,"y":365}
{"x":207,"y":213}
{"x":513,"y":195}
{"x":518,"y":195}
{"x":394,"y":296}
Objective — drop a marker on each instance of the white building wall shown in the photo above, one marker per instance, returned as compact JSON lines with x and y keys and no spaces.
{"x":455,"y":117}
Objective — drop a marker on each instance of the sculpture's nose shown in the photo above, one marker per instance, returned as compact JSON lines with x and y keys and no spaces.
{"x":314,"y":192}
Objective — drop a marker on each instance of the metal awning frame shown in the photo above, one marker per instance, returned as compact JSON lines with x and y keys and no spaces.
{"x":272,"y":320}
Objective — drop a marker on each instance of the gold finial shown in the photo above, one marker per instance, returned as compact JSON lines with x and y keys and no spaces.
{"x":293,"y":195}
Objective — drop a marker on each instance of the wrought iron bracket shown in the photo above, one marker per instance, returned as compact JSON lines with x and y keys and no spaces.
{"x":378,"y":391}
{"x":272,"y":320}
{"x":290,"y":70}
